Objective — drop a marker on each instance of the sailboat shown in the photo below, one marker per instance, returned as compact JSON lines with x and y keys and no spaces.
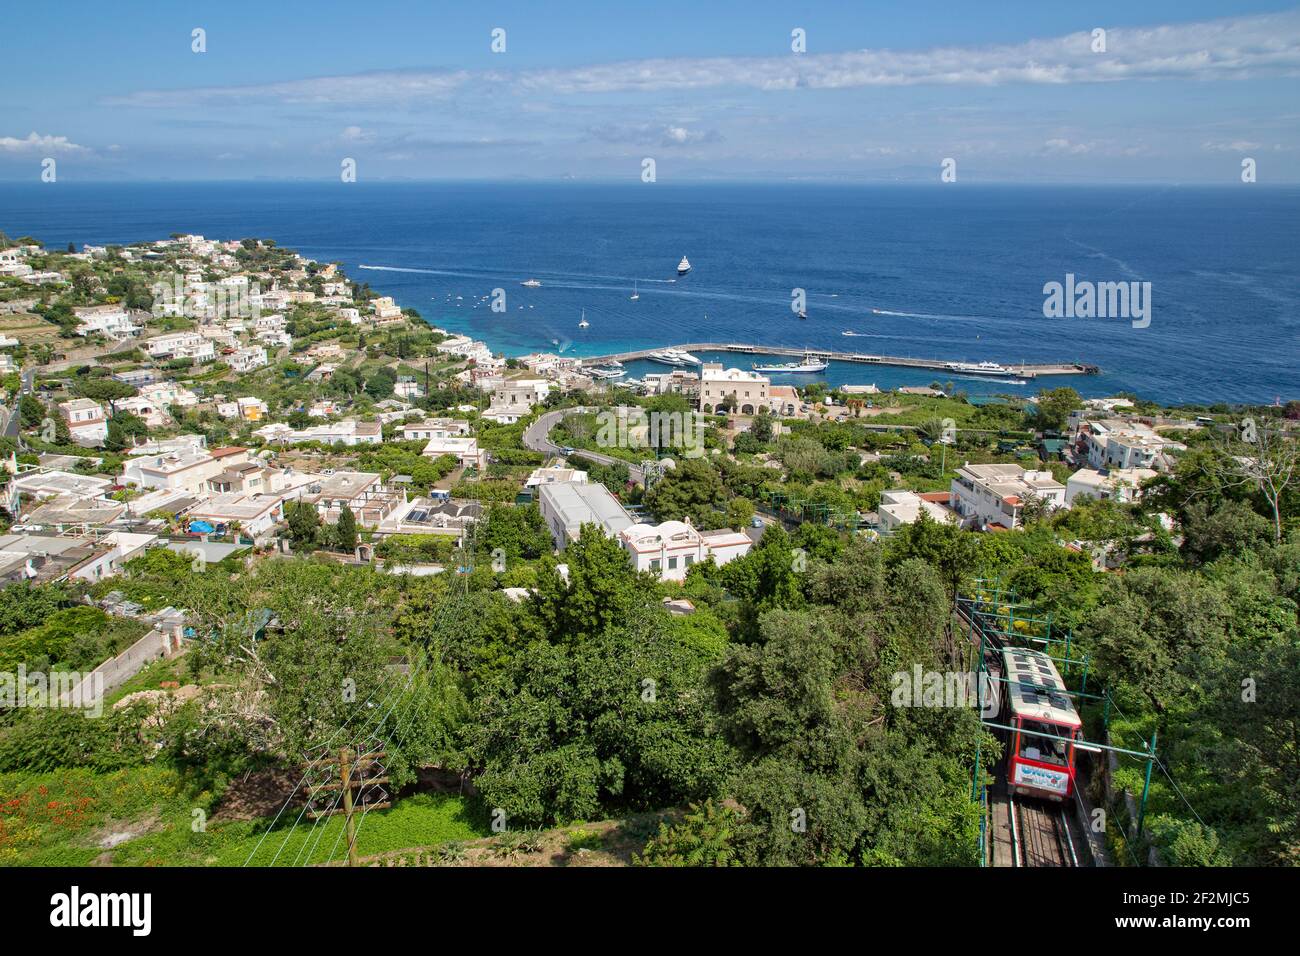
{"x":635,"y":294}
{"x":584,"y":323}
{"x":683,"y":267}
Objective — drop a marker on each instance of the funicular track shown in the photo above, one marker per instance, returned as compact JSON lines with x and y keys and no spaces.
{"x":1042,"y":833}
{"x":1023,"y":831}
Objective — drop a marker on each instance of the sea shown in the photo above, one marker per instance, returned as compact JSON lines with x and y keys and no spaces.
{"x":955,"y":272}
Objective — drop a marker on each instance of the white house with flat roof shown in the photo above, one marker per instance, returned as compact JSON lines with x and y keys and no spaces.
{"x":256,"y":514}
{"x":464,"y":448}
{"x":672,"y":548}
{"x":113,"y":321}
{"x":1117,"y":484}
{"x":568,"y":505}
{"x":434,"y":428}
{"x":247,"y":359}
{"x":86,"y":420}
{"x":1116,"y":443}
{"x":901,"y":507}
{"x":993,"y":496}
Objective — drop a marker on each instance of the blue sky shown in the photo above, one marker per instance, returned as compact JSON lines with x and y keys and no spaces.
{"x":1013,"y":91}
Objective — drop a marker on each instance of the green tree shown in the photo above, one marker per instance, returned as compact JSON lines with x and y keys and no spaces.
{"x":304,"y":525}
{"x":1052,"y":413}
{"x":345,"y":530}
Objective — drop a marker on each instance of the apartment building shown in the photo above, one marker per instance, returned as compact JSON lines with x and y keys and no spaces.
{"x":993,"y":496}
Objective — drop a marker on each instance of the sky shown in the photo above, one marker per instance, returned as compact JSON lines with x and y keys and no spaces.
{"x":1183,"y":91}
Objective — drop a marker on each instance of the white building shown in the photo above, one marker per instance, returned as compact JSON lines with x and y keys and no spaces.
{"x":181,"y":470}
{"x":567,"y":506}
{"x":1117,"y":484}
{"x":1115,"y":443}
{"x":465,"y":449}
{"x":247,"y":359}
{"x":347,"y":432}
{"x":86,"y":420}
{"x":147,"y":409}
{"x":113,"y":321}
{"x":256,"y":514}
{"x":514,"y":398}
{"x":434,"y":428}
{"x":744,"y":392}
{"x":898,"y":508}
{"x":670,"y":549}
{"x":181,"y":345}
{"x":385,"y":308}
{"x":249,"y":408}
{"x":549,"y":476}
{"x":169,"y":393}
{"x":993,"y":496}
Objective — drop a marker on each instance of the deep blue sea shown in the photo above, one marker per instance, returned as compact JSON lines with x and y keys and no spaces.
{"x":956,"y":270}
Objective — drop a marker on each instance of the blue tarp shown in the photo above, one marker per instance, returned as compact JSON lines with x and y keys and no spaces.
{"x":201,"y":527}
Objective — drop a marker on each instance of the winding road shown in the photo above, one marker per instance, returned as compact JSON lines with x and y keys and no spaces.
{"x":537,"y":438}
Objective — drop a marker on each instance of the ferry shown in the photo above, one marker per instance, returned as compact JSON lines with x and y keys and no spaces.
{"x":531,"y":283}
{"x":982,"y":368}
{"x":606,"y":372}
{"x":683,"y":267}
{"x":807,"y":366}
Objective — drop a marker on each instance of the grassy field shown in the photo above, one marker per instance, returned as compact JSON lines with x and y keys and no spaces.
{"x":146,"y":817}
{"x":28,"y":329}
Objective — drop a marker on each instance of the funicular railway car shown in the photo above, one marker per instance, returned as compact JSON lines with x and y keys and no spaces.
{"x":1037,"y":704}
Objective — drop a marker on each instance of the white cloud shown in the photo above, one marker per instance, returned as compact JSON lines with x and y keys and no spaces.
{"x":1062,"y":145}
{"x":35,"y":143}
{"x":1236,"y":146}
{"x":1226,"y":48}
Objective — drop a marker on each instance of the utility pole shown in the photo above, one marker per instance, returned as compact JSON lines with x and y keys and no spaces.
{"x":353,"y":767}
{"x":345,"y":772}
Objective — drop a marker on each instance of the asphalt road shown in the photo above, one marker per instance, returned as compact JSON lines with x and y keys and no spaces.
{"x":537,"y":438}
{"x":9,"y":418}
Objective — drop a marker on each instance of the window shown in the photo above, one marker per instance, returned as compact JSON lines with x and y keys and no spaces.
{"x":1044,"y":749}
{"x":654,"y":564}
{"x":672,"y":564}
{"x":690,"y":559}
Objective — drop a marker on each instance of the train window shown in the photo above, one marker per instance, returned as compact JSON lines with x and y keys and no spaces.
{"x":1043,"y":749}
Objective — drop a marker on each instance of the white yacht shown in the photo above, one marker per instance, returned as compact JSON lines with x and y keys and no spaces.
{"x":673,"y":357}
{"x":683,"y":267}
{"x":531,"y":283}
{"x":583,"y":323}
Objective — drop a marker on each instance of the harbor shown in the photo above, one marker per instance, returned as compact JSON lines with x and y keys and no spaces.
{"x":1026,"y":370}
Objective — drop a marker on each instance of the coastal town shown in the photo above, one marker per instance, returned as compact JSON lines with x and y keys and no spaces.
{"x":204,"y":440}
{"x":256,"y":381}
